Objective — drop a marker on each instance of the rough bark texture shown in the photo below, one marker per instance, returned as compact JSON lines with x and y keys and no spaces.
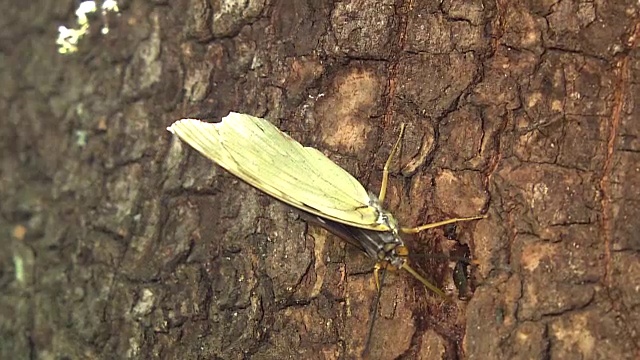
{"x":119,"y":242}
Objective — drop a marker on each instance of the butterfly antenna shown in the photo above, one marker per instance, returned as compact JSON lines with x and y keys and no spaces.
{"x":424,"y":281}
{"x":373,"y":315}
{"x":463,"y":259}
{"x":417,"y":229}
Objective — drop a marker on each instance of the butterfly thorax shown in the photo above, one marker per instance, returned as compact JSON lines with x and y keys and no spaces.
{"x":387,"y":248}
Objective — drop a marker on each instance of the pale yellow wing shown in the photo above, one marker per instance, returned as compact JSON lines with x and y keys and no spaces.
{"x":259,"y":153}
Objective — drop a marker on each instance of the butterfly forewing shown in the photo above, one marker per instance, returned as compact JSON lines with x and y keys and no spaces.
{"x":257,"y":152}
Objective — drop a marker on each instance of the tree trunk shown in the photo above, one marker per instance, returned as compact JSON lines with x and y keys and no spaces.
{"x":121,"y":242}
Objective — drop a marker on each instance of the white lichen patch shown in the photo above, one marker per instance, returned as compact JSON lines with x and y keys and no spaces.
{"x":145,"y":303}
{"x":68,"y":38}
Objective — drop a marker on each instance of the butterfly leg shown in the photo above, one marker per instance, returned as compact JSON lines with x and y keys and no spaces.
{"x":376,"y":275}
{"x":385,"y":171}
{"x":417,"y":229}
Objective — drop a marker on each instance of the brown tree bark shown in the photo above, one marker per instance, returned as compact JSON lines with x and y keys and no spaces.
{"x":119,"y":242}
